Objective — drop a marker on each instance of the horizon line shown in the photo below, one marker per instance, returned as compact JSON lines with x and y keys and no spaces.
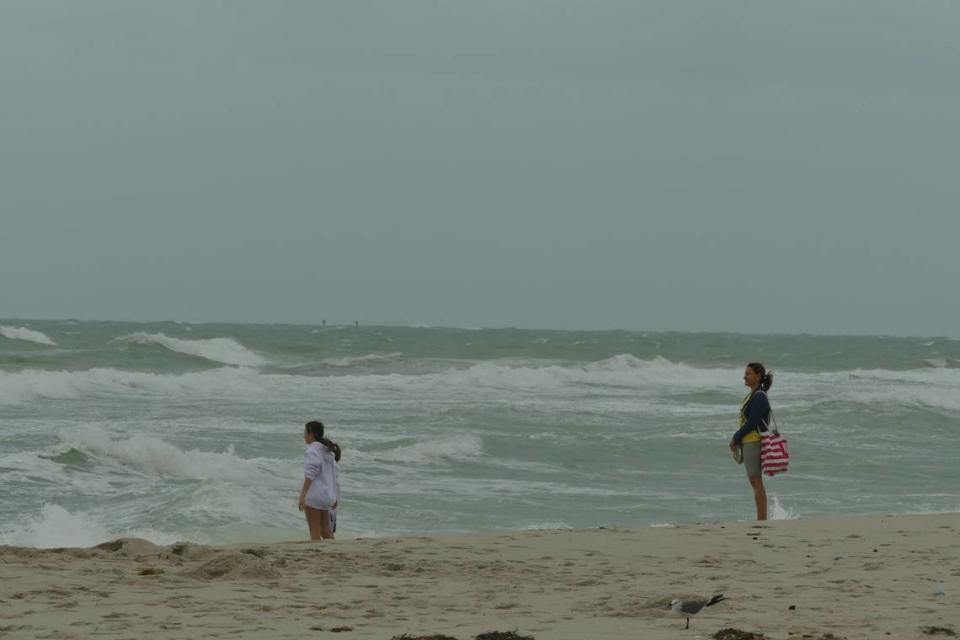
{"x":357,"y":324}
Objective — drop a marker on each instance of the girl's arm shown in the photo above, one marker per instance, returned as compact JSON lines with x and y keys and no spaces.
{"x":303,"y":492}
{"x":311,"y":469}
{"x":336,"y":475}
{"x":759,"y":410}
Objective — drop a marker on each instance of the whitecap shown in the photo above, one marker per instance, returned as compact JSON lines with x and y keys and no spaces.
{"x":32,"y":384}
{"x":150,"y":456}
{"x":371,"y":357}
{"x":222,"y":350}
{"x":28,"y":335}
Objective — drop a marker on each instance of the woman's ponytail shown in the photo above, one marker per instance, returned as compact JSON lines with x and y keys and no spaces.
{"x":333,"y":446}
{"x":316,"y":428}
{"x":766,"y":377}
{"x":767,"y":381}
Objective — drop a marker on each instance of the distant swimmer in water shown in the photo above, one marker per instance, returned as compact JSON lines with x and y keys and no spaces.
{"x":320,"y":494}
{"x":754,"y":418}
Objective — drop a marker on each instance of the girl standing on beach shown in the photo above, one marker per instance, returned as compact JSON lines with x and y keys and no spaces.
{"x":754,"y":417}
{"x":321,"y":488}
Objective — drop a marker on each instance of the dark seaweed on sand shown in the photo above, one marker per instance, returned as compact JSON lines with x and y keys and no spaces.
{"x":502,"y":635}
{"x":737,"y":634}
{"x":486,"y":635}
{"x":933,"y":631}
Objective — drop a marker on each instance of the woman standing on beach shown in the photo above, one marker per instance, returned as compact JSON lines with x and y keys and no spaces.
{"x":754,"y":417}
{"x":321,"y":488}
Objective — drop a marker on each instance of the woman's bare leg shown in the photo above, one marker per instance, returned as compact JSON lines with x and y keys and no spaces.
{"x":315,"y":522}
{"x":326,"y":526}
{"x":759,"y":496}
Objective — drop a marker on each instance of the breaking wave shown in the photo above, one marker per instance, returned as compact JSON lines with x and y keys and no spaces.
{"x":222,"y":350}
{"x":151,"y":456}
{"x":32,"y":384}
{"x":55,"y":526}
{"x":28,"y":335}
{"x":621,"y":383}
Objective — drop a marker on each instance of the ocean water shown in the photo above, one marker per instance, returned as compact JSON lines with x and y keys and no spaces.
{"x":173,"y":431}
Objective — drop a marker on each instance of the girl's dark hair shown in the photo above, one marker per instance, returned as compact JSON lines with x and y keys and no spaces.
{"x":316,"y":428}
{"x":766,"y":377}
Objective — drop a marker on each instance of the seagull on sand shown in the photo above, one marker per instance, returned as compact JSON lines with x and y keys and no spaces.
{"x":688,"y":608}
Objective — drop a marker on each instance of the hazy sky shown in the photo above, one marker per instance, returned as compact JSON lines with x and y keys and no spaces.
{"x":746,"y":166}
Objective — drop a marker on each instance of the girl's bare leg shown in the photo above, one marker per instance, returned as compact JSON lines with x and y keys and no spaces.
{"x":759,"y":496}
{"x":315,"y":521}
{"x":326,"y":527}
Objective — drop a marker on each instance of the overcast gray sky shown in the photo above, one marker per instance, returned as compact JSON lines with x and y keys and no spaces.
{"x":747,"y":166}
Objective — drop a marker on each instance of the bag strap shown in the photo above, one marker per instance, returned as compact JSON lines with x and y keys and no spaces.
{"x":775,"y":430}
{"x":766,"y":424}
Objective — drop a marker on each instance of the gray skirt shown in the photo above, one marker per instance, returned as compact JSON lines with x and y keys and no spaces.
{"x":751,"y":458}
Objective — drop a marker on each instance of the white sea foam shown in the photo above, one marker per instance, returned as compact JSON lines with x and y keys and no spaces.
{"x":547,"y":526}
{"x":151,"y":456}
{"x":463,"y":447}
{"x":355,"y":360}
{"x":929,"y":375}
{"x":780,"y":512}
{"x":29,"y":335}
{"x":25,"y":386}
{"x":928,"y":388}
{"x":55,"y":526}
{"x":622,"y":384}
{"x":629,"y":383}
{"x":254,"y":503}
{"x":624,"y":371}
{"x":222,"y":350}
{"x":922,"y":397}
{"x":499,"y":380}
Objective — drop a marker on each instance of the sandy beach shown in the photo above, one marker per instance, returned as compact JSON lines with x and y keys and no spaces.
{"x":858,"y":577}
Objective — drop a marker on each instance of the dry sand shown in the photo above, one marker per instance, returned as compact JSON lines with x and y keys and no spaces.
{"x":876,"y":577}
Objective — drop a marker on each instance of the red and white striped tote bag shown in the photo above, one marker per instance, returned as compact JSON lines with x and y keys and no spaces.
{"x":773,"y":453}
{"x":774,"y":457}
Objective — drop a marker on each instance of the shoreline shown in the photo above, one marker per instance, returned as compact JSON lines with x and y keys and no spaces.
{"x":854,"y":577}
